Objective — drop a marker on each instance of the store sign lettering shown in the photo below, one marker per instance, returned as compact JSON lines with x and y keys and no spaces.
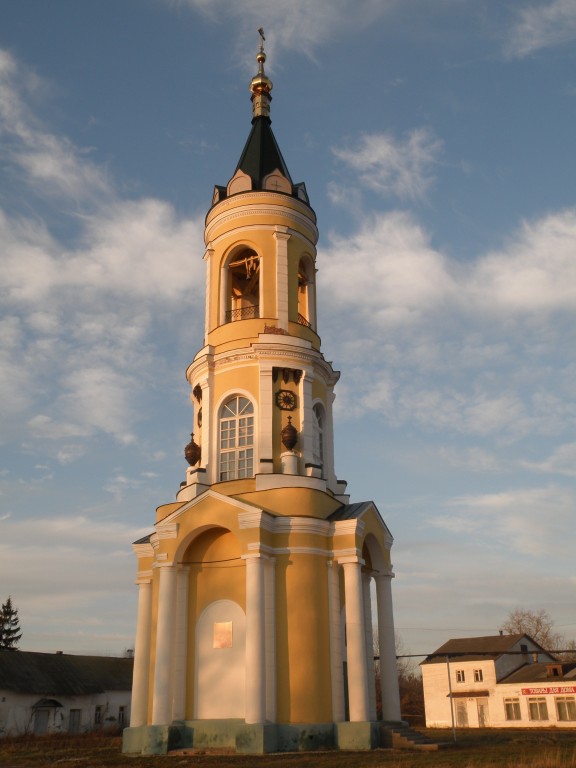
{"x":552,"y":689}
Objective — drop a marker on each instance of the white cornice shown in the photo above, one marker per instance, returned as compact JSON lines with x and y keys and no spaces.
{"x":302,"y":525}
{"x":167,"y":530}
{"x":256,"y":519}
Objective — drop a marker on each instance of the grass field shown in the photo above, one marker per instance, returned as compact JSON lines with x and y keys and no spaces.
{"x":473,"y":749}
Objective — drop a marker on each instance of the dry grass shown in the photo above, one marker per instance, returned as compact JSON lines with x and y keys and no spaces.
{"x":473,"y":749}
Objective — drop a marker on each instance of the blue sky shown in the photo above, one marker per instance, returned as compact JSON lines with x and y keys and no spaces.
{"x":436,"y":140}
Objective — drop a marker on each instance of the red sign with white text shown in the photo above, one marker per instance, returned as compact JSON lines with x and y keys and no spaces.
{"x":552,"y":689}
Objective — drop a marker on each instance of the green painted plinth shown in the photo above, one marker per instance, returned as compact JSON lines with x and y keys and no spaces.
{"x":359,"y":736}
{"x":255,"y":739}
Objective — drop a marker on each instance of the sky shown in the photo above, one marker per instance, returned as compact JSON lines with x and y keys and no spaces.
{"x":436,"y":141}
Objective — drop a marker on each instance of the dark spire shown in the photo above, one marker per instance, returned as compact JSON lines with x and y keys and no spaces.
{"x":261,"y":154}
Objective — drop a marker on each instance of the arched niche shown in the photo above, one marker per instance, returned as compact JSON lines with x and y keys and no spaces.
{"x":306,"y":292}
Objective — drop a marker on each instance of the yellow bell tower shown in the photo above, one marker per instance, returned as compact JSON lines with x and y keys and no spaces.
{"x":255,"y":613}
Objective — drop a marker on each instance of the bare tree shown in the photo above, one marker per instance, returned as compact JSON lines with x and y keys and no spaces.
{"x":537,"y":624}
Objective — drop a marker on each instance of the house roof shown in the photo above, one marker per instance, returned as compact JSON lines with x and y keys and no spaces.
{"x":542,"y":673}
{"x":58,"y":674}
{"x":478,"y":648}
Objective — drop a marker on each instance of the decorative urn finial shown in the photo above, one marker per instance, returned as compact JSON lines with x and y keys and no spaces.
{"x":192,"y":451}
{"x":289,"y":435}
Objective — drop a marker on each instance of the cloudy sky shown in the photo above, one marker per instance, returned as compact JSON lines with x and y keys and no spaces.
{"x":436,"y":140}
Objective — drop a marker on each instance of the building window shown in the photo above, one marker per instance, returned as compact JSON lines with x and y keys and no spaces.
{"x":512,"y":709}
{"x":537,"y":708}
{"x":460,"y":676}
{"x":478,"y":676}
{"x":244,"y":287}
{"x":318,"y":435}
{"x":236,"y":439}
{"x":98,"y":714}
{"x":122,"y":716}
{"x":565,"y":708}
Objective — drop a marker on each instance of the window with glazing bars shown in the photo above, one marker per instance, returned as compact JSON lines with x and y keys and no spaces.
{"x":236,"y":439}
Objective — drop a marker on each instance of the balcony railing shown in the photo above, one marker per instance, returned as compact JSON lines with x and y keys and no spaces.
{"x":302,"y":320}
{"x":242,"y":313}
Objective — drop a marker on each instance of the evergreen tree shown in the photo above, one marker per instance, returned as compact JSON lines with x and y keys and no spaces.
{"x":10,"y":633}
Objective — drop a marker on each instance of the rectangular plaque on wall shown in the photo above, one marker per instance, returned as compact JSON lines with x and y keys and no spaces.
{"x":222,"y":634}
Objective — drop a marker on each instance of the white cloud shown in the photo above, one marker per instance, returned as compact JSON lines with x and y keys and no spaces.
{"x":561,"y":462}
{"x":480,"y":348}
{"x":530,"y":521}
{"x":402,"y":168}
{"x":52,"y":165}
{"x":542,"y":25}
{"x":298,"y":25}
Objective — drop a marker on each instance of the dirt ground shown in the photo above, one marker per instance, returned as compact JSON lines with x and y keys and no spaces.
{"x":473,"y":749}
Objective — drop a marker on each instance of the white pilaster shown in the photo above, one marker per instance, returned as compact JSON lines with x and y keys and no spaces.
{"x":369,"y":632}
{"x":307,"y":425}
{"x":180,"y":644}
{"x":162,"y":696}
{"x":270,"y":638}
{"x":140,"y":684}
{"x":387,"y":642}
{"x":255,"y":640}
{"x":329,"y":472}
{"x":336,"y":665}
{"x":281,"y":238}
{"x":356,"y":641}
{"x":207,"y":258}
{"x":265,"y":413}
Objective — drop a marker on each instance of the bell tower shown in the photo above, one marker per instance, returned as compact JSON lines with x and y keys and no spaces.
{"x":257,"y":586}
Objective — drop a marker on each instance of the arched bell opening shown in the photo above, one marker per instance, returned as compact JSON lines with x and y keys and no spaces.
{"x":306,"y":292}
{"x":242,"y":286}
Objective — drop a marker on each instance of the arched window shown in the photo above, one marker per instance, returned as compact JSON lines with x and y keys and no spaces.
{"x":305,"y":292}
{"x":243,"y":286}
{"x":318,"y":435}
{"x":236,"y":439}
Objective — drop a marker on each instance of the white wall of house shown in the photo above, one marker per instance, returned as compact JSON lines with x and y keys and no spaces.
{"x":18,"y":715}
{"x":479,"y":701}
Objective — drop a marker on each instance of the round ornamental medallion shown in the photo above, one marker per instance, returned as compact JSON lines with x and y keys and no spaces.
{"x":285,"y":400}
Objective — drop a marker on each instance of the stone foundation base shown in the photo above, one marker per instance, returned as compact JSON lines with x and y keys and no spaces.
{"x":253,"y":739}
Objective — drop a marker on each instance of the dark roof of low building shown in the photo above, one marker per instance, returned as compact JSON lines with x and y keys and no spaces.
{"x":542,"y":672}
{"x":477,"y":648}
{"x":58,"y":674}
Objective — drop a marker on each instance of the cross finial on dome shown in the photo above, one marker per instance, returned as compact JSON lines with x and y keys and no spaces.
{"x":260,"y":84}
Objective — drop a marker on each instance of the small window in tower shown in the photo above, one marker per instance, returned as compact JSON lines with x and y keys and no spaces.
{"x":244,"y":287}
{"x":478,"y":676}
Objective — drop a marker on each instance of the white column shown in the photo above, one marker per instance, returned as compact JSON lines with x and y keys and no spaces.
{"x":270,"y":638}
{"x":281,"y":278}
{"x":369,"y":631}
{"x":387,"y":643}
{"x":255,"y":640}
{"x":180,"y":645}
{"x":336,"y":666}
{"x":329,"y":470}
{"x":162,"y":697}
{"x":356,"y":641}
{"x":139,"y":707}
